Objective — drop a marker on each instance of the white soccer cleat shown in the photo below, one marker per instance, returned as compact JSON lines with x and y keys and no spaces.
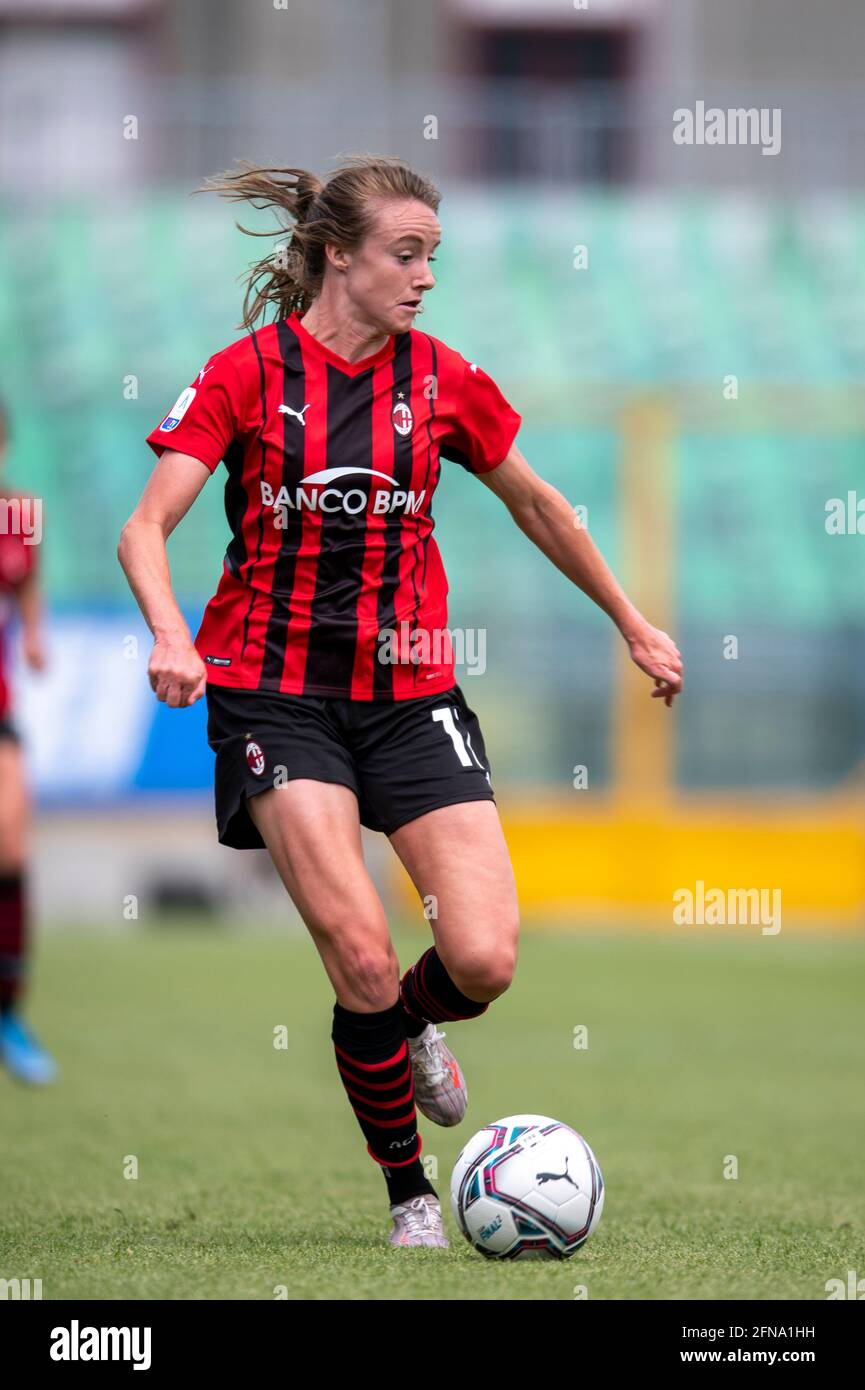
{"x":439,"y":1085}
{"x":418,"y":1222}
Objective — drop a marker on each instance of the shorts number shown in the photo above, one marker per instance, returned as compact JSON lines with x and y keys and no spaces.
{"x":445,"y":716}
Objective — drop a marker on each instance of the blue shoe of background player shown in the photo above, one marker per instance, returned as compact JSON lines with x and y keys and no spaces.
{"x":22,"y":1054}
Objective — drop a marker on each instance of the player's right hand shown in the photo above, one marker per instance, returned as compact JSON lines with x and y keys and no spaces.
{"x":177,"y":674}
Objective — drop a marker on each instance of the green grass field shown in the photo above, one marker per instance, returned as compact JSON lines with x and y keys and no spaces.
{"x":253,"y":1172}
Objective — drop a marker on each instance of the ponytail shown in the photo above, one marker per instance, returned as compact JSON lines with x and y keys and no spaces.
{"x":339,"y":212}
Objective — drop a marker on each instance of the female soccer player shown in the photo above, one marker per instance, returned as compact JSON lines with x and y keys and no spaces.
{"x":19,"y":589}
{"x":324,"y":657}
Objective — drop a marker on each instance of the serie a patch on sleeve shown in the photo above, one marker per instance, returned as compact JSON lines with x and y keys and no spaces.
{"x":179,"y":409}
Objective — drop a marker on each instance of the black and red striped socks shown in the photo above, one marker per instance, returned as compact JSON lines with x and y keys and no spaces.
{"x":428,"y":995}
{"x":374,"y":1061}
{"x":372,"y":1055}
{"x":13,"y":944}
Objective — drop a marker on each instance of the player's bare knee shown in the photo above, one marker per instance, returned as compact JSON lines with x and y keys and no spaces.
{"x":486,"y":979}
{"x":371,"y":974}
{"x":13,"y":851}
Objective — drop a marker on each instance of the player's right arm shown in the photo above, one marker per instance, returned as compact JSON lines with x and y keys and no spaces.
{"x":177,"y":673}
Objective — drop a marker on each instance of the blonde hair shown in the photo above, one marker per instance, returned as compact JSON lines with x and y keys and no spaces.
{"x":339,"y":211}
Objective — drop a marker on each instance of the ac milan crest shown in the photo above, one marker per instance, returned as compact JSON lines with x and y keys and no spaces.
{"x":255,"y":758}
{"x":402,"y":418}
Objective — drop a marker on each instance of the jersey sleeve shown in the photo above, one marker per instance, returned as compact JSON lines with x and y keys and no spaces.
{"x":484,"y":424}
{"x":206,"y":417}
{"x":19,"y":552}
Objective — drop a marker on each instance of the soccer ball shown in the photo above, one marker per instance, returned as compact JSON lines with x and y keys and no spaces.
{"x":527,"y":1186}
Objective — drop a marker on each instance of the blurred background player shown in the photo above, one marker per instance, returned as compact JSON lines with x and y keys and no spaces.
{"x":19,"y":592}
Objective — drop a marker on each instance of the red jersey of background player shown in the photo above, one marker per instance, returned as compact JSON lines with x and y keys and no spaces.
{"x":332,"y":467}
{"x":17,"y":563}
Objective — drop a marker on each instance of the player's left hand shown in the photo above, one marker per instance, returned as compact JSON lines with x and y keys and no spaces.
{"x":34,"y":652}
{"x":657,"y":654}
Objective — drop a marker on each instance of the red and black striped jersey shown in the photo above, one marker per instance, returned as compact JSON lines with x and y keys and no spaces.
{"x":332,"y":582}
{"x":17,"y":563}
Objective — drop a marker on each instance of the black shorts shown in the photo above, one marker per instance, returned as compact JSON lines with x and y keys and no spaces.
{"x":401,"y":758}
{"x":8,"y":731}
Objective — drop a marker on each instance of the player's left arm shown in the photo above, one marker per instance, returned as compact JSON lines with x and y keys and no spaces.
{"x":548,"y":520}
{"x":28,"y":595}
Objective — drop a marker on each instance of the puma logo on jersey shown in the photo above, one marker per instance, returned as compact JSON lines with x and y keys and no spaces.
{"x":204,"y":370}
{"x":298,"y":414}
